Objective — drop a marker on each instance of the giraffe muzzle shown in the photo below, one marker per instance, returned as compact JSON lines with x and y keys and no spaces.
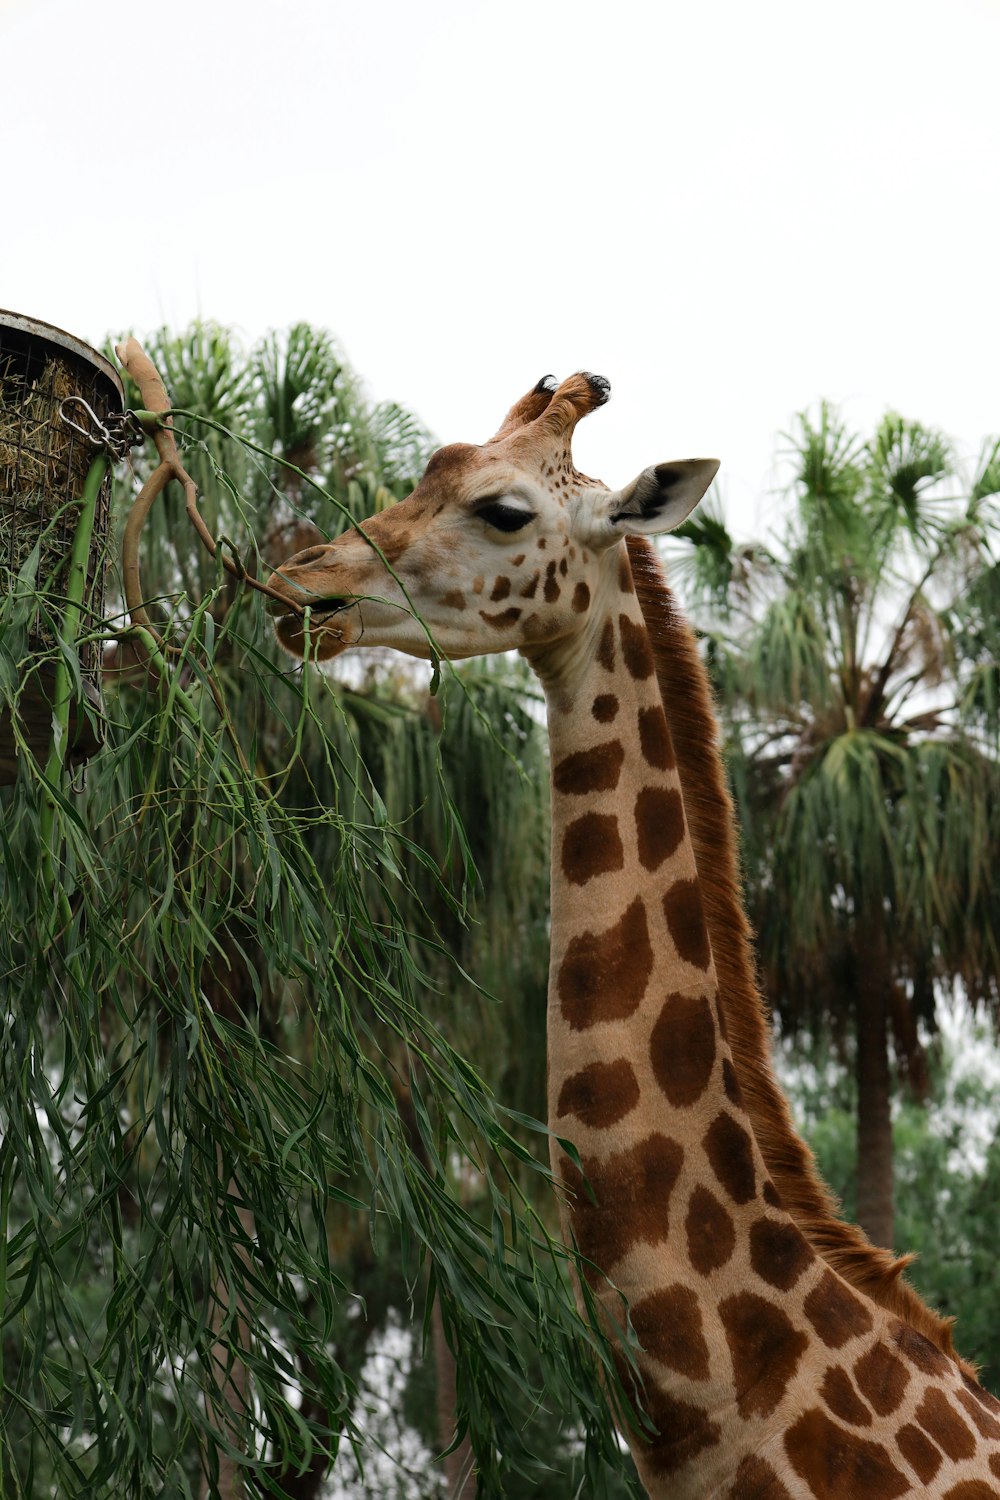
{"x":334,"y":624}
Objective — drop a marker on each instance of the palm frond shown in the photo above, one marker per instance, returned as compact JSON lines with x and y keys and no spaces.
{"x":861,"y":701}
{"x":987,"y":480}
{"x":907,"y":461}
{"x":828,"y":462}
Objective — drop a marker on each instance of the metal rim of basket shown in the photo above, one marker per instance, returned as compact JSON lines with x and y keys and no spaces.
{"x":38,"y":329}
{"x":119,"y":431}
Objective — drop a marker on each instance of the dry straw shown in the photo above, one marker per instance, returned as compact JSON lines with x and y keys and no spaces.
{"x":43,"y":465}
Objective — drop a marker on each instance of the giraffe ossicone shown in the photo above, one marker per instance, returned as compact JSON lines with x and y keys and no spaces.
{"x":784,"y":1358}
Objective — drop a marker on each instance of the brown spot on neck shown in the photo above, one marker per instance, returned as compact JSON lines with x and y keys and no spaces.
{"x":919,"y":1452}
{"x":836,"y":1463}
{"x":711,"y":1235}
{"x":595,"y":770}
{"x":500,"y":589}
{"x":730,"y":1154}
{"x":756,"y":1480}
{"x":628,"y":1202}
{"x":766,"y":1348}
{"x":654,"y":738}
{"x":882,"y":1378}
{"x":668,"y":1326}
{"x":600,"y":1094}
{"x":592,"y":846}
{"x":842,"y":1399}
{"x":603,"y":975}
{"x":987,"y":1426}
{"x":659,"y":824}
{"x":682,"y":909}
{"x":606,"y":646}
{"x":941,"y":1422}
{"x":920,"y":1351}
{"x":836,"y":1313}
{"x":778,"y":1253}
{"x":636,"y":652}
{"x":682,"y":1048}
{"x":683,"y":1430}
{"x":503,"y":619}
{"x":731,"y":1089}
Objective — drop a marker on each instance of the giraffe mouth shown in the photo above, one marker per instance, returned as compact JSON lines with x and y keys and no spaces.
{"x":328,"y":634}
{"x":320,"y":608}
{"x":332,"y":604}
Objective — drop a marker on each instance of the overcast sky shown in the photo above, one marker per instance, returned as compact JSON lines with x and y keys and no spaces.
{"x":728,"y":208}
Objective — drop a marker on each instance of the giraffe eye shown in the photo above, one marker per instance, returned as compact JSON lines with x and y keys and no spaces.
{"x":504,"y":517}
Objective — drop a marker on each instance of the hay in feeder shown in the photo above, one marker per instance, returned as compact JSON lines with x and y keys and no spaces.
{"x":43,"y":466}
{"x":44,"y":463}
{"x":35,"y":444}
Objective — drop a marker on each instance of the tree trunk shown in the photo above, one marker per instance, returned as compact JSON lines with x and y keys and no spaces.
{"x":459,"y":1466}
{"x":875,"y":1175}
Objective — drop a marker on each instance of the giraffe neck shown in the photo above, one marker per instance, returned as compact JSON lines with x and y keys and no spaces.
{"x":635,"y":1037}
{"x":687,"y":699}
{"x":679,"y":1207}
{"x":640,"y":1077}
{"x":762,"y":1372}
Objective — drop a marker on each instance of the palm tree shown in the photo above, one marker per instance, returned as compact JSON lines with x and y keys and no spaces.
{"x":855,"y":658}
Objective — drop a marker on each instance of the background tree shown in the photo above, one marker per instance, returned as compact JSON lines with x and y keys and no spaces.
{"x":855,"y":657}
{"x":231,"y":1111}
{"x":948,"y":1167}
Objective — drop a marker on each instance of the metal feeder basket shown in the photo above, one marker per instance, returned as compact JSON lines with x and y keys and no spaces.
{"x":56,"y":397}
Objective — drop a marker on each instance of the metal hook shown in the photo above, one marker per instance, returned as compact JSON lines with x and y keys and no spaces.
{"x":105,"y":436}
{"x":121,"y":432}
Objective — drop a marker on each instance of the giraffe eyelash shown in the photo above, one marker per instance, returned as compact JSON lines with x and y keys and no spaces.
{"x":501,"y":517}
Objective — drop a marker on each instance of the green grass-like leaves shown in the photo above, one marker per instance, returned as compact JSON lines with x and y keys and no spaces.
{"x":241,"y":1052}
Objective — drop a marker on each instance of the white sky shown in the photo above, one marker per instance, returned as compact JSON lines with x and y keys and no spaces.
{"x":728,"y":207}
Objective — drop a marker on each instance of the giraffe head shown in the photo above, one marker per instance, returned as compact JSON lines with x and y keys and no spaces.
{"x":501,"y":546}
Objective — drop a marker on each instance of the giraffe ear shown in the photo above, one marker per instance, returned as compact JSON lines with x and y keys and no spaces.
{"x":662,"y":497}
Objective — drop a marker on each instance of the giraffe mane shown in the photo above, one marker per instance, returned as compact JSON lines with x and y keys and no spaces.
{"x":687,"y":696}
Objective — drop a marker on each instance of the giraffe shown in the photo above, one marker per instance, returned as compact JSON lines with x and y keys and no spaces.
{"x":782,"y":1356}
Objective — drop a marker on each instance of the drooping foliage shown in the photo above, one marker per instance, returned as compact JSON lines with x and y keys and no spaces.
{"x":238,"y":1016}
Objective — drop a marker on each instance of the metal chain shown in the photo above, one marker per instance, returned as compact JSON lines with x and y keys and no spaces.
{"x":118,"y":433}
